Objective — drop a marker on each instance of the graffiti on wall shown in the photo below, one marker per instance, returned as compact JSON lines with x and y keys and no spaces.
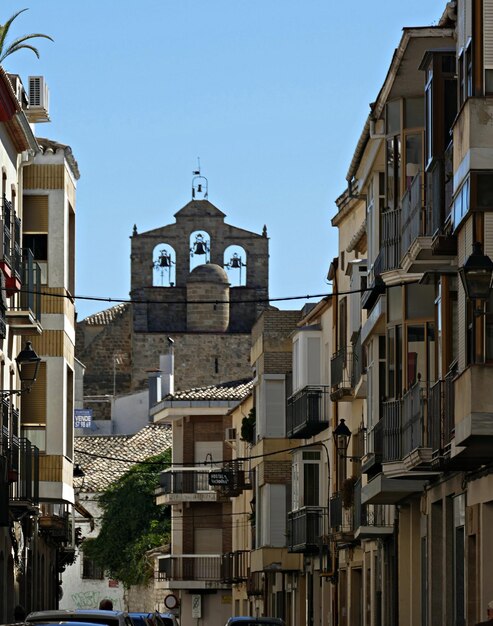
{"x":91,"y":600}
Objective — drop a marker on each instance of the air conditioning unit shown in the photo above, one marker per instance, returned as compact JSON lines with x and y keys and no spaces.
{"x":39,"y":100}
{"x":230,"y":434}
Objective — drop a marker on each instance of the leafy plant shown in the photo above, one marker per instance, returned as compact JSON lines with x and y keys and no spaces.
{"x":247,"y":432}
{"x":19,"y":43}
{"x":131,"y":523}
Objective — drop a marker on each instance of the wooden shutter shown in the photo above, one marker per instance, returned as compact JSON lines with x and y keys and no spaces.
{"x":488,"y":34}
{"x":35,"y":214}
{"x":33,"y":404}
{"x":274,"y":515}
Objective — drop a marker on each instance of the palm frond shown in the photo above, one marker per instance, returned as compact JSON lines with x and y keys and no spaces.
{"x":4,"y":28}
{"x":11,"y":49}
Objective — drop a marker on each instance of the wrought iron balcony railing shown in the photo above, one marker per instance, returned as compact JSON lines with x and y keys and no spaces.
{"x":255,"y":584}
{"x":186,"y":480}
{"x":199,"y":567}
{"x":391,"y":239}
{"x":358,"y":364}
{"x":441,"y":418}
{"x":31,"y":284}
{"x":307,"y":412}
{"x":16,"y":248}
{"x":413,"y":420}
{"x":341,"y":367}
{"x":392,"y":430}
{"x":414,"y":218}
{"x":305,"y":529}
{"x":235,"y":566}
{"x":6,"y":231}
{"x":23,"y":471}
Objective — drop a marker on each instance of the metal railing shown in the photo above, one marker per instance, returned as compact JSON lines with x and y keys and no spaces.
{"x":414,"y":218}
{"x":358,"y":364}
{"x":235,"y":566}
{"x":392,"y":431}
{"x":24,"y":466}
{"x":190,"y":567}
{"x":305,"y":529}
{"x":441,"y":415}
{"x":31,"y":284}
{"x":307,"y":411}
{"x":185,"y":480}
{"x":6,"y":229}
{"x":16,"y":248}
{"x":413,"y":419}
{"x":391,"y":239}
{"x":341,"y":367}
{"x":374,"y":440}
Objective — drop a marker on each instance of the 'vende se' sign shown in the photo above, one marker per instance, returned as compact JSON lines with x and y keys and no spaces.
{"x":219,"y":479}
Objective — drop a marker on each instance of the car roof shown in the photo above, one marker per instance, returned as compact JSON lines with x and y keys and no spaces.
{"x":258,"y":620}
{"x":59,"y":615}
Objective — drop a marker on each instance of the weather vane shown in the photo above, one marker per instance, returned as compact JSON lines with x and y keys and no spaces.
{"x":200,"y":184}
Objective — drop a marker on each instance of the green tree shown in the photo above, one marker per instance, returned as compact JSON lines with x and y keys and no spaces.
{"x":19,"y":43}
{"x":131,"y":523}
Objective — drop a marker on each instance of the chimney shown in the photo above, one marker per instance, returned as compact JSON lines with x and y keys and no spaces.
{"x":155,"y":387}
{"x":167,"y":367}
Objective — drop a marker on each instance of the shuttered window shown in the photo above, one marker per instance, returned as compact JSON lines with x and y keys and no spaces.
{"x":33,"y":404}
{"x":35,"y":214}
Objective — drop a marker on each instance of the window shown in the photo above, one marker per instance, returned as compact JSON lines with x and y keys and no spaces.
{"x":38,"y":244}
{"x":90,"y":570}
{"x":306,"y":479}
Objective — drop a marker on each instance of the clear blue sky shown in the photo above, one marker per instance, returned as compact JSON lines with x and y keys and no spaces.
{"x":272,"y":95}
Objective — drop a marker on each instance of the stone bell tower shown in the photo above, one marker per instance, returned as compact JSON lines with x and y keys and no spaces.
{"x":184,"y":284}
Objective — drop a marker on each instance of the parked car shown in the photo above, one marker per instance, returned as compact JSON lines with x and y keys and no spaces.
{"x":244,"y":620}
{"x":168,"y":619}
{"x":106,"y":618}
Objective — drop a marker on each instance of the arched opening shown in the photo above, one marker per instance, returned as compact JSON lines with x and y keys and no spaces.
{"x":164,"y":266}
{"x":200,"y":248}
{"x":235,"y":263}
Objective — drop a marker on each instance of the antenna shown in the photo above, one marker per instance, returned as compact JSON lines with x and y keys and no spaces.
{"x":197,"y":171}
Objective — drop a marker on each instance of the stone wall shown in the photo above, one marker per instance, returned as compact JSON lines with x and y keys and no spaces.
{"x":200,"y":358}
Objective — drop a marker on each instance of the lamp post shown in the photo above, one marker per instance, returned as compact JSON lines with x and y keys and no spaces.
{"x":342,"y":436}
{"x":476,"y":275}
{"x":27,"y":362}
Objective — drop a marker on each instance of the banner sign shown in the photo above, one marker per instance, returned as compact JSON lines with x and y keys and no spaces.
{"x":82,"y":418}
{"x":219,"y":479}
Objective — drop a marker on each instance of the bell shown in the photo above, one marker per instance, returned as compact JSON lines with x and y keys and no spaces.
{"x":164,"y":260}
{"x":199,"y":188}
{"x":200,"y":247}
{"x":235,"y":262}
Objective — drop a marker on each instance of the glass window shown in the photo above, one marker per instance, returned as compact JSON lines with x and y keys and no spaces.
{"x":413,"y":157}
{"x":420,"y":301}
{"x":488,"y":81}
{"x":416,"y":354}
{"x":311,"y":484}
{"x":38,"y":244}
{"x":393,"y":117}
{"x":485,"y":190}
{"x":394,"y":303}
{"x":414,"y":113}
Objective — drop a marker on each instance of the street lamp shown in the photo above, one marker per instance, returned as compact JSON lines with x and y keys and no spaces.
{"x":27,"y":365}
{"x":343,"y":436}
{"x":476,"y":274}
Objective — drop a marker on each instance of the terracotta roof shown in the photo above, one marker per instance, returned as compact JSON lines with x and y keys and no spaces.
{"x":107,"y":316}
{"x":49,"y":144}
{"x":104,"y":458}
{"x":233,"y":390}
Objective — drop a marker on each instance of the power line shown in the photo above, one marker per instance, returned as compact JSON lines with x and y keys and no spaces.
{"x":184,"y":302}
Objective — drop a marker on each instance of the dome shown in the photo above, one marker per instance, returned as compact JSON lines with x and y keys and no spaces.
{"x":208,"y":272}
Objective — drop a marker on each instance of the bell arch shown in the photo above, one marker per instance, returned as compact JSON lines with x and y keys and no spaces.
{"x":200,"y":248}
{"x":164,"y":266}
{"x":235,"y":263}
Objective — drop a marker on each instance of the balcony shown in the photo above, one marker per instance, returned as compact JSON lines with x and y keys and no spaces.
{"x":391,"y":240}
{"x":341,"y":514}
{"x":441,"y":421}
{"x":235,"y":567}
{"x":190,"y":571}
{"x":371,"y":462}
{"x":473,"y":416}
{"x":376,"y":286}
{"x":54,"y":523}
{"x":307,"y":412}
{"x":25,"y":319}
{"x":371,"y":521}
{"x":255,"y":584}
{"x":358,"y":370}
{"x":187,"y":484}
{"x":23,"y":473}
{"x":405,"y":437}
{"x":473,"y":137}
{"x":340,"y":374}
{"x":13,"y":283}
{"x":439,"y":191}
{"x":305,"y":529}
{"x":6,"y":238}
{"x":417,"y":231}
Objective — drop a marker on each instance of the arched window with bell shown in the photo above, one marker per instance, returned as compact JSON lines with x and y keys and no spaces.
{"x":235,"y":265}
{"x":164,"y":264}
{"x":200,"y":248}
